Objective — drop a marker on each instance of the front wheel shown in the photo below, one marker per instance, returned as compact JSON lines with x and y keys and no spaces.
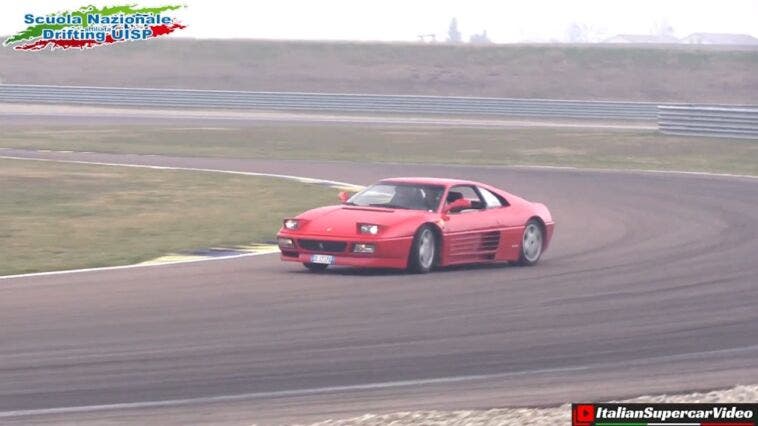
{"x":423,"y":251}
{"x":315,"y":267}
{"x":531,"y":243}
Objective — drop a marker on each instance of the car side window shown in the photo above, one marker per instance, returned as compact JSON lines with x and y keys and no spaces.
{"x":491,"y":200}
{"x":468,"y":193}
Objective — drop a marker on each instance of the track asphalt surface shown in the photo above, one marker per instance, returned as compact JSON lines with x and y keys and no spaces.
{"x":650,"y":286}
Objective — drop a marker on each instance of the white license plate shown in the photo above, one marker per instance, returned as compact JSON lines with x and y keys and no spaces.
{"x":322,"y":258}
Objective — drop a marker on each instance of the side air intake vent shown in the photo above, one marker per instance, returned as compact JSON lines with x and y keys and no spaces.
{"x":490,"y":241}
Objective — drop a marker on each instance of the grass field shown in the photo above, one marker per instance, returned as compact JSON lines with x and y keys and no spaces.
{"x":592,"y":148}
{"x":641,"y":72}
{"x":60,"y":216}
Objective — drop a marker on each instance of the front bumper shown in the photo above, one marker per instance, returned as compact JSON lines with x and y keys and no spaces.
{"x":389,"y":252}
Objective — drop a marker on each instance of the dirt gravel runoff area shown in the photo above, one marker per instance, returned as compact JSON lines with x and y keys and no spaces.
{"x":529,"y":416}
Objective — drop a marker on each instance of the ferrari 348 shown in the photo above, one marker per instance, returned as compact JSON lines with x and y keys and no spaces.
{"x":419,"y":224}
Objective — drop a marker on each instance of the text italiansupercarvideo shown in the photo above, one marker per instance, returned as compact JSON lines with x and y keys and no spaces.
{"x":714,"y":413}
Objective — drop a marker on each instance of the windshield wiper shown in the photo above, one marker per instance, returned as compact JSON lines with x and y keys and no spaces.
{"x":389,"y":206}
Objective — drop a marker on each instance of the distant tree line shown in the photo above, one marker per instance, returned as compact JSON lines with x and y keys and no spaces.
{"x":454,"y":35}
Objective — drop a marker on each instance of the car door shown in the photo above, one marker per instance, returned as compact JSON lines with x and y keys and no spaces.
{"x":471,"y":235}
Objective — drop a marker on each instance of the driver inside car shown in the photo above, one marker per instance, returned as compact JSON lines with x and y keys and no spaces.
{"x":409,"y":197}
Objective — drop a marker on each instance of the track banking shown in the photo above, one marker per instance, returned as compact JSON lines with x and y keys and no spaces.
{"x":650,"y":413}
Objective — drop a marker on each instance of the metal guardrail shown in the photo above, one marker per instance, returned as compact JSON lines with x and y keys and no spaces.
{"x":355,"y":103}
{"x":697,"y":120}
{"x":703,"y":120}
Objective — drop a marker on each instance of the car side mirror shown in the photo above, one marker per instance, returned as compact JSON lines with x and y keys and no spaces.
{"x":344,"y":196}
{"x":459,"y":204}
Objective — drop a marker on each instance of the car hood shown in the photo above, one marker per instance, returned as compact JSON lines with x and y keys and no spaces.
{"x":341,"y":221}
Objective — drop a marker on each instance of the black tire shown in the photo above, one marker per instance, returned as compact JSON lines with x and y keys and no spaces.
{"x":420,"y":260}
{"x":316,"y":267}
{"x":532,"y":243}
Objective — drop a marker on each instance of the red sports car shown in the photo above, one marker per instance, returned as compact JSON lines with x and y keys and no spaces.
{"x":418,"y":224}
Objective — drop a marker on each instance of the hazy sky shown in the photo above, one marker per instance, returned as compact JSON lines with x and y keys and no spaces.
{"x":403,"y":20}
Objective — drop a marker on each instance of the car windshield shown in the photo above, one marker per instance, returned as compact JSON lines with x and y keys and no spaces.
{"x":399,"y":196}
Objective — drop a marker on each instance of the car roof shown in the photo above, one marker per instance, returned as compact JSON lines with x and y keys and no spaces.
{"x":431,"y":181}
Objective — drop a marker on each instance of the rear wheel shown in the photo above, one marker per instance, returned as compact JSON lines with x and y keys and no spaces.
{"x":423,"y":251}
{"x":531,"y":243}
{"x":315,"y":267}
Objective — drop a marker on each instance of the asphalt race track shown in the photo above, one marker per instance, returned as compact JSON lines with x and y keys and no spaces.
{"x":650,"y":286}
